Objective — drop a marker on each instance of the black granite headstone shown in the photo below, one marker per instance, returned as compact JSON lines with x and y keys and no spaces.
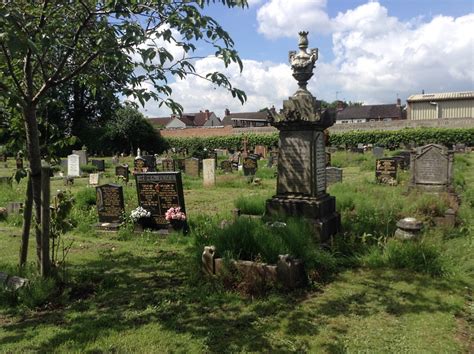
{"x":159,"y":191}
{"x":226,"y":166}
{"x":110,"y":203}
{"x":123,"y":171}
{"x":100,"y":164}
{"x":150,"y":163}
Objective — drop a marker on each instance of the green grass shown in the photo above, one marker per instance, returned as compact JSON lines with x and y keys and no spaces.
{"x":142,"y":293}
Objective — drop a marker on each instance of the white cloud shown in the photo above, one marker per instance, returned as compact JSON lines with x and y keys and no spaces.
{"x":283,"y":18}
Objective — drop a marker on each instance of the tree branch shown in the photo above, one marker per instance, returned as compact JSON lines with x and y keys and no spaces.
{"x":12,"y":72}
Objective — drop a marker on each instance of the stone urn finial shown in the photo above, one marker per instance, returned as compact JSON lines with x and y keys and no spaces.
{"x":302,"y":64}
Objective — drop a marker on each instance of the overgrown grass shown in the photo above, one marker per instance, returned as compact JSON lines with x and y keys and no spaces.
{"x":251,"y":204}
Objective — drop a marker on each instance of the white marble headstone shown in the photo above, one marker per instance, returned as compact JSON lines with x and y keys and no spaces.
{"x":73,"y":166}
{"x":94,"y":179}
{"x":209,"y":172}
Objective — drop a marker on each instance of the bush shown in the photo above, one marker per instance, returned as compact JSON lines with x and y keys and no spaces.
{"x":89,"y":168}
{"x":85,"y":198}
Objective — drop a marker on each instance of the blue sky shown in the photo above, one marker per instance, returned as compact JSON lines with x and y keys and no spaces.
{"x":369,"y":51}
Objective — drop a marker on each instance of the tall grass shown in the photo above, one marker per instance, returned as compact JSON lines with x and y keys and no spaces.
{"x":251,"y":204}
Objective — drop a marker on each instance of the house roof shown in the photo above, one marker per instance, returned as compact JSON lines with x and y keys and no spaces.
{"x":160,"y":121}
{"x":443,"y":96}
{"x":258,"y":116}
{"x":370,"y":112}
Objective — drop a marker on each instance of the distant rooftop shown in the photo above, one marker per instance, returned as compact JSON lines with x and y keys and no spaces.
{"x":442,"y":96}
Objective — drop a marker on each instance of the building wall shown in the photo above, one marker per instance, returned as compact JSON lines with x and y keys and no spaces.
{"x":442,"y":109}
{"x":175,"y":123}
{"x":213,"y":121}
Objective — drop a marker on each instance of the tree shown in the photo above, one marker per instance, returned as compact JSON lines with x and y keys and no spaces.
{"x":46,"y":43}
{"x":131,"y":130}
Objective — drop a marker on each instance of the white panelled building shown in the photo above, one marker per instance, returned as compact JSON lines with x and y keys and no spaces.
{"x":441,"y":105}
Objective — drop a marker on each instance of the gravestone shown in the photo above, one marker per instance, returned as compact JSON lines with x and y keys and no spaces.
{"x":110,"y":206}
{"x":432,"y":168}
{"x":180,"y":164}
{"x":123,"y":172}
{"x":115,"y":160}
{"x":14,"y":208}
{"x":459,"y":147}
{"x":250,"y":166}
{"x":405,"y":155}
{"x":254,"y":156}
{"x":328,"y":159}
{"x":159,"y":191}
{"x":192,"y":167}
{"x":235,"y":160}
{"x":378,"y":152}
{"x":150,"y":163}
{"x":168,"y":165}
{"x":386,"y":170}
{"x":100,"y":164}
{"x":226,"y":166}
{"x":213,"y":155}
{"x":19,"y":163}
{"x":83,"y":159}
{"x":73,"y":166}
{"x":400,"y":161}
{"x":94,"y":179}
{"x":139,"y":165}
{"x":209,"y":172}
{"x":261,"y":150}
{"x":301,"y":182}
{"x":333,"y":175}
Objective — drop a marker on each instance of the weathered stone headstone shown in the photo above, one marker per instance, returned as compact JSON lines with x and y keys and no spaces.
{"x":192,"y":167}
{"x":14,"y":208}
{"x":159,"y":191}
{"x":378,"y":152}
{"x":168,"y":165}
{"x":301,"y":182}
{"x":100,"y":164}
{"x":250,"y":166}
{"x":180,"y":164}
{"x":123,"y":172}
{"x":386,"y":170}
{"x":459,"y":147}
{"x":333,"y":175}
{"x":209,"y":172}
{"x":139,"y":165}
{"x":73,"y":166}
{"x":432,"y":168}
{"x":226,"y":166}
{"x":150,"y":163}
{"x":83,"y":159}
{"x":94,"y":179}
{"x":261,"y":150}
{"x":110,"y":205}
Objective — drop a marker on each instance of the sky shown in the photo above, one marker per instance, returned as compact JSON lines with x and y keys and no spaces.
{"x":369,"y":51}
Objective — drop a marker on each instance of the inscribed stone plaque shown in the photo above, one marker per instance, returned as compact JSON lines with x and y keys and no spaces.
{"x":168,"y":165}
{"x":159,"y":191}
{"x":150,"y":163}
{"x":226,"y":166}
{"x":333,"y":175}
{"x":73,"y":166}
{"x":110,"y":204}
{"x":209,"y":172}
{"x":261,"y":150}
{"x":386,"y":170}
{"x":250,"y":165}
{"x":432,"y":165}
{"x":139,"y":165}
{"x":122,"y":171}
{"x":192,"y":167}
{"x":94,"y":179}
{"x":100,"y":164}
{"x":320,"y":162}
{"x":83,"y":160}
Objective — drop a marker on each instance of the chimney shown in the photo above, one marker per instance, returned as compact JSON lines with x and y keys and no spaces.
{"x":339,"y":106}
{"x":422,"y":92}
{"x":207,"y":114}
{"x":399,"y":102}
{"x":226,"y":112}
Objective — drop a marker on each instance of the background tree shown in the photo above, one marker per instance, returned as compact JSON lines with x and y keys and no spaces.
{"x":46,"y":43}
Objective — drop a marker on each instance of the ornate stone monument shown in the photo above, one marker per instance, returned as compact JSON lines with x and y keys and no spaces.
{"x":301,"y":183}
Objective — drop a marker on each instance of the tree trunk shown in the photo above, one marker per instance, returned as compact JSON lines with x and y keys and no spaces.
{"x":45,"y":213}
{"x":34,"y":157}
{"x":25,"y":236}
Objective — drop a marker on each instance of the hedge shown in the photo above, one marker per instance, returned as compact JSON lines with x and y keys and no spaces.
{"x":391,"y":138}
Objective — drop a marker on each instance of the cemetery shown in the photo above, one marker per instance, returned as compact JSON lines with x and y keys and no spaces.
{"x":295,"y":241}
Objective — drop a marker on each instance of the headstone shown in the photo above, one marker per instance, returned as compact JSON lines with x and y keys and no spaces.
{"x":301,"y":182}
{"x":213,"y":155}
{"x":115,"y":160}
{"x":432,"y":168}
{"x":74,"y":165}
{"x":226,"y":166}
{"x":405,"y":155}
{"x":14,"y":208}
{"x":110,"y":205}
{"x":139,"y":165}
{"x":83,"y":160}
{"x":250,"y":166}
{"x":400,"y":161}
{"x":333,"y":175}
{"x":159,"y":191}
{"x":378,"y":152}
{"x":254,"y":156}
{"x":94,"y":179}
{"x":261,"y":150}
{"x":386,"y":170}
{"x":360,"y":146}
{"x":150,"y":163}
{"x":459,"y":147}
{"x":209,"y":172}
{"x":100,"y":164}
{"x":123,"y":172}
{"x":19,"y":163}
{"x":192,"y":167}
{"x":168,"y":165}
{"x":180,"y":164}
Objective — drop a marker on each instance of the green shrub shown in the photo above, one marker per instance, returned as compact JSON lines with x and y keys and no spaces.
{"x":85,"y":198}
{"x":89,"y":168}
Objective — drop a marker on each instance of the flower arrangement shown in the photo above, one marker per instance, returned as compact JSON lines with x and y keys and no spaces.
{"x":175,"y":214}
{"x":139,"y":213}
